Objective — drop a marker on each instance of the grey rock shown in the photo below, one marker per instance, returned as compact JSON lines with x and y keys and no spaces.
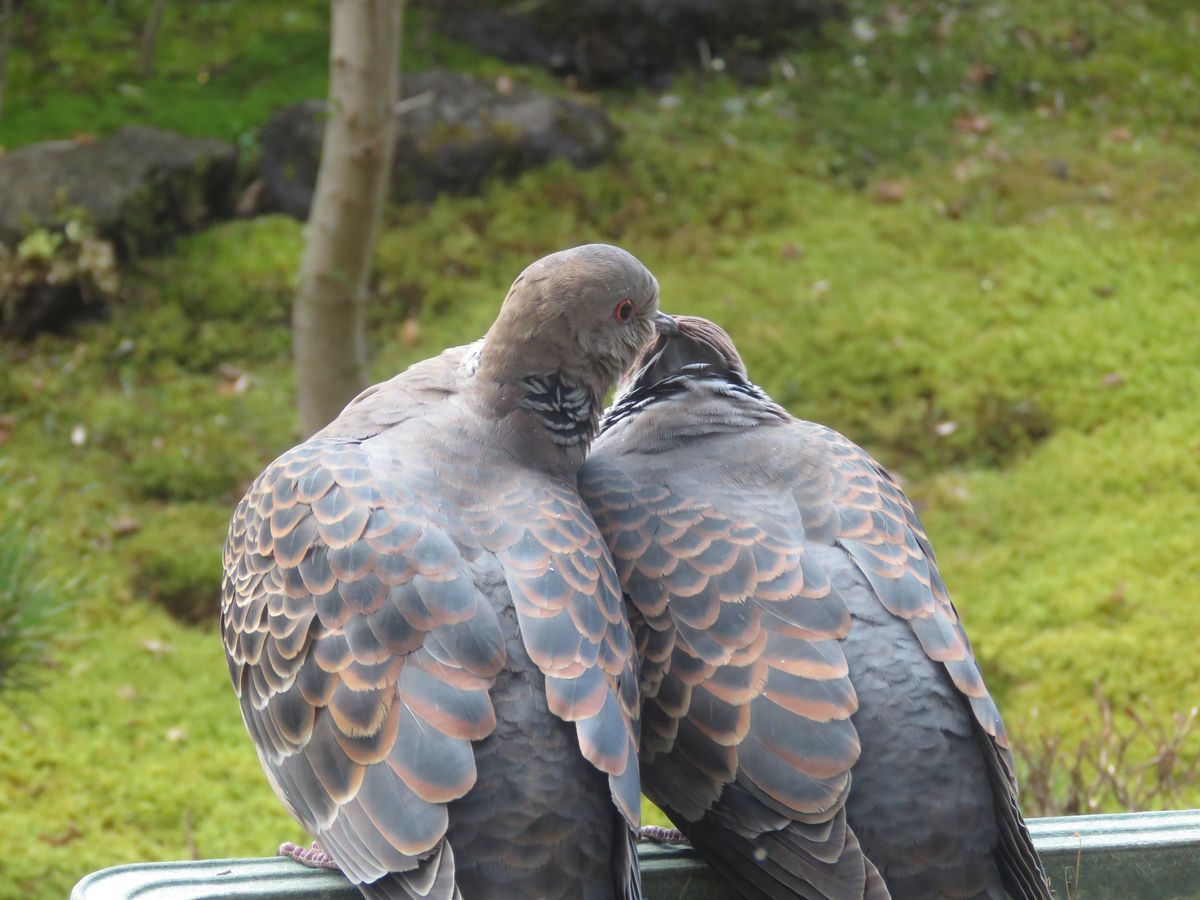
{"x":139,"y":186}
{"x":455,"y":133}
{"x":614,"y":42}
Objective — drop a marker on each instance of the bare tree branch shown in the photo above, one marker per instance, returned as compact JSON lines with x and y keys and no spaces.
{"x":150,"y":38}
{"x":6,"y":34}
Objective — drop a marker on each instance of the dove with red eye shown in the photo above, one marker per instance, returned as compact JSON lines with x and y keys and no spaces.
{"x":424,"y":627}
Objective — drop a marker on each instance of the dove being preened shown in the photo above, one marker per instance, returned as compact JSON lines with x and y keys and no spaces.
{"x":813,"y":718}
{"x":423,"y":625}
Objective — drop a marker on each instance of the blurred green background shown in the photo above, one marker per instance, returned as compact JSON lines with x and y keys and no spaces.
{"x":966,"y":234}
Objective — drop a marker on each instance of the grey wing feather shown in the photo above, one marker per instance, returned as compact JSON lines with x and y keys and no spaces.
{"x":867,"y":513}
{"x":737,"y":634}
{"x":362,"y":653}
{"x":575,"y":629}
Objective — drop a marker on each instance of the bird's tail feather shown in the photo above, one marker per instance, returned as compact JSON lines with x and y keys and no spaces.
{"x":433,"y":879}
{"x":789,"y":863}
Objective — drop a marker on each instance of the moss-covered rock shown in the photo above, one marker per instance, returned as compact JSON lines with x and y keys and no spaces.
{"x":607,"y":42}
{"x":54,"y":276}
{"x":140,"y":186}
{"x":455,"y":132}
{"x":69,"y":204}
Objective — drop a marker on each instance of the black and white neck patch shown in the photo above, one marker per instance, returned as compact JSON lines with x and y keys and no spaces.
{"x":643,"y":394}
{"x":568,"y":411}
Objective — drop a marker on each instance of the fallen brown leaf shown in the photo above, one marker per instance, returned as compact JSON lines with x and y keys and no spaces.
{"x":954,"y":209}
{"x":61,"y":840}
{"x":1122,"y":135}
{"x":410,"y":332}
{"x":233,"y":380}
{"x":981,"y":74}
{"x":972,"y":123}
{"x":124,"y":525}
{"x":890,"y":191}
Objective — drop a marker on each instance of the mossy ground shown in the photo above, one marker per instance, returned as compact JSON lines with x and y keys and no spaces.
{"x":965,"y":237}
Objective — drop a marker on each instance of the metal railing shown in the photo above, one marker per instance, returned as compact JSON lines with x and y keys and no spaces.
{"x":1132,"y":856}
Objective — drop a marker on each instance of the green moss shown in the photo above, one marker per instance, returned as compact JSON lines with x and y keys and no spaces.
{"x":220,"y":68}
{"x":194,"y":465}
{"x":443,"y":134}
{"x":1065,"y":566}
{"x":149,"y":761}
{"x":1012,"y":334}
{"x":176,"y":557}
{"x":257,"y":261}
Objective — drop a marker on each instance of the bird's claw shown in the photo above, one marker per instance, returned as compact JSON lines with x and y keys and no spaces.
{"x":314,"y":857}
{"x":656,"y":834}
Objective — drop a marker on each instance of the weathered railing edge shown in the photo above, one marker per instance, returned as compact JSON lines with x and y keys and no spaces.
{"x":1164,"y":845}
{"x":1116,"y":831}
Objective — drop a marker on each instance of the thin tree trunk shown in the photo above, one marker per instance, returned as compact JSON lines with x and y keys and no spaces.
{"x":10,"y":16}
{"x":150,"y":37}
{"x":328,"y":336}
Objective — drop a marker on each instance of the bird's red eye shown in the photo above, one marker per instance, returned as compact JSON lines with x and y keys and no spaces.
{"x":623,"y":311}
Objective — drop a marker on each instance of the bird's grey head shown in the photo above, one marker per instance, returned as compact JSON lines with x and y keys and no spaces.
{"x":696,"y":345}
{"x":584,"y":312}
{"x":697,"y":374}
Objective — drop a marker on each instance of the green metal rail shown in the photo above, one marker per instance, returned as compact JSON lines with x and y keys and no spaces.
{"x":1134,"y":856}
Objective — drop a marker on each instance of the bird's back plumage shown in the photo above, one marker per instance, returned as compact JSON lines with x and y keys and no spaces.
{"x":425,"y":629}
{"x":808,"y":687}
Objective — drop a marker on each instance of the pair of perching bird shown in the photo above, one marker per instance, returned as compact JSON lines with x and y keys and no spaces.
{"x":455,"y":633}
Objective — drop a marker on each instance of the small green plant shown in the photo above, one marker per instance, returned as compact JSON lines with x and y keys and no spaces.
{"x":1125,"y":761}
{"x":68,"y":256}
{"x":29,"y":610}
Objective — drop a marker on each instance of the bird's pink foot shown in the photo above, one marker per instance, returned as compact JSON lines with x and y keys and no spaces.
{"x":656,"y":834}
{"x":314,"y":857}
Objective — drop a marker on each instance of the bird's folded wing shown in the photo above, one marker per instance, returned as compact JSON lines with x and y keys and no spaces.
{"x":362,"y":652}
{"x":862,"y":508}
{"x":747,"y":699}
{"x":574,"y":627}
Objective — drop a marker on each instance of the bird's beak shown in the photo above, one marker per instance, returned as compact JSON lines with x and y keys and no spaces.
{"x":665,"y":324}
